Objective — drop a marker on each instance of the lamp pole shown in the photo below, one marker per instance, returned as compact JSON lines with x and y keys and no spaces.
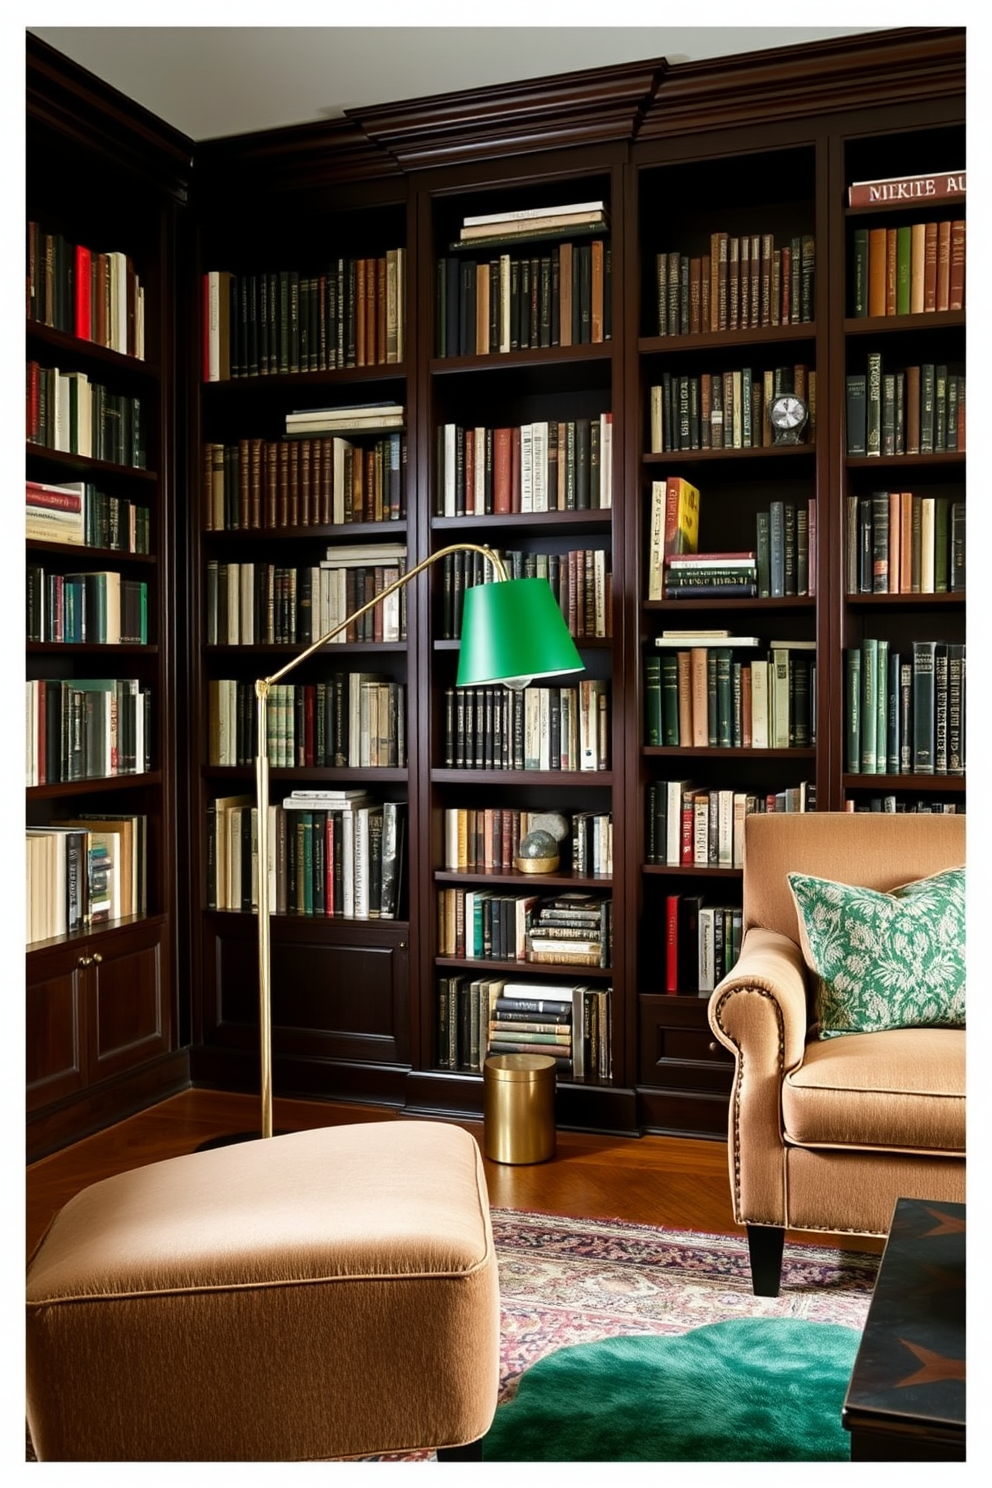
{"x":262,"y":688}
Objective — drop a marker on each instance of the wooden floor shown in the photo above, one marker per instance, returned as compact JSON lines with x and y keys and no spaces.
{"x":674,"y":1182}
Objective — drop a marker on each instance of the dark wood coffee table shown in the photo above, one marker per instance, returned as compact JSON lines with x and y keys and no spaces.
{"x":906,"y":1399}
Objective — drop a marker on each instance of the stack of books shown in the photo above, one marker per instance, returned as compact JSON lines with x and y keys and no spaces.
{"x":569,"y":1024}
{"x":56,"y":513}
{"x":356,"y":418}
{"x":572,"y":929}
{"x":711,"y":575}
{"x":567,"y":220}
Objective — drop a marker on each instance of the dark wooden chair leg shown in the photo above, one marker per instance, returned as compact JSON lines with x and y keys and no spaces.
{"x":765,"y":1244}
{"x":470,"y":1452}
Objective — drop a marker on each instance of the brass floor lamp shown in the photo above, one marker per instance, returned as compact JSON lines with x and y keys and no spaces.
{"x":513,"y":632}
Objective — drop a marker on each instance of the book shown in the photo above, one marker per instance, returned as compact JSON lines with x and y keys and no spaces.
{"x":910,"y":190}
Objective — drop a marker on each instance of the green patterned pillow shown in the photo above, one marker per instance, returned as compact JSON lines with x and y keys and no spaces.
{"x":884,"y":960}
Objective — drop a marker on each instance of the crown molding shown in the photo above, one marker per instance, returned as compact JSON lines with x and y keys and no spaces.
{"x":72,"y":101}
{"x":577,"y":108}
{"x":881,"y":69}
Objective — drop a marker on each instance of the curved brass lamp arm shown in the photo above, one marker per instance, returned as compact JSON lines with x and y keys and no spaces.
{"x":262,"y":688}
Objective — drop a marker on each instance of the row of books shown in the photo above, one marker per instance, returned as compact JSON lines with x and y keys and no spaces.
{"x":743,"y":281}
{"x":905,"y":710}
{"x":702,"y":943}
{"x":487,"y":839}
{"x":100,"y":608}
{"x":581,"y":580}
{"x":67,"y":412}
{"x":902,"y":542}
{"x":724,"y":410}
{"x":479,"y":1016}
{"x":78,"y":514}
{"x":333,"y":854}
{"x":303,"y":482}
{"x":505,"y":301}
{"x":893,"y":803}
{"x":781,"y":563}
{"x":250,"y":604}
{"x":695,"y":826}
{"x":85,"y":292}
{"x":704,"y":696}
{"x":572,"y":928}
{"x":911,"y":269}
{"x":86,"y":729}
{"x":541,"y":728}
{"x":550,"y":465}
{"x":351,"y":720}
{"x":84,"y":871}
{"x":353,"y":314}
{"x":917,"y":410}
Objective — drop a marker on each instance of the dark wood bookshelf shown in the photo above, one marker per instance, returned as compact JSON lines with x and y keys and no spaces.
{"x":766,"y":143}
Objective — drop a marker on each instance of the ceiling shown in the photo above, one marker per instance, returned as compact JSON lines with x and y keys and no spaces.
{"x":212,"y":81}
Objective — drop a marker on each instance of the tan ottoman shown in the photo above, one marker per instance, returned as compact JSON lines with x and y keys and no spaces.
{"x":323,"y":1294}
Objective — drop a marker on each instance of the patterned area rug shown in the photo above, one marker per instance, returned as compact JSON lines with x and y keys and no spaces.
{"x":567,"y":1281}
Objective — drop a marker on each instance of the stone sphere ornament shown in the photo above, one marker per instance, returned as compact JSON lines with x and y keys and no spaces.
{"x":538,"y":852}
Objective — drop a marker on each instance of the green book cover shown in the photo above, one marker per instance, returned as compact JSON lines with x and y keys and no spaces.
{"x":670,"y":700}
{"x":857,"y":414}
{"x":652,"y":701}
{"x":881,"y":706}
{"x":723,"y":665}
{"x":873,"y":416}
{"x":869,"y":708}
{"x":903,"y":245}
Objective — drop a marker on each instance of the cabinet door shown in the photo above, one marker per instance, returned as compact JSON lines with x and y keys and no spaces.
{"x":128,"y":1014}
{"x":340,"y":999}
{"x":54,"y":1025}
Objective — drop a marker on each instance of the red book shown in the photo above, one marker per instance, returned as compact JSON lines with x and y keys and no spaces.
{"x":501,"y":471}
{"x":54,"y":497}
{"x":84,"y":299}
{"x":515,"y":469}
{"x":688,"y":827}
{"x":955,"y":299}
{"x":672,"y":943}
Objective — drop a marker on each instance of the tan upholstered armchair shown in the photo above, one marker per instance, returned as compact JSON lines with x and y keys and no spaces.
{"x":826,"y":1134}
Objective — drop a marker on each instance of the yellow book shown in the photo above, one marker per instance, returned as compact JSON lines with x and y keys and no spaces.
{"x":681,"y":517}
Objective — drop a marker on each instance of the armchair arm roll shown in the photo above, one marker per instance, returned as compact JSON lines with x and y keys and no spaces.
{"x":759,"y":1013}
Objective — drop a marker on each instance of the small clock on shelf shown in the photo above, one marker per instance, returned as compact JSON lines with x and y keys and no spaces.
{"x":787,"y":414}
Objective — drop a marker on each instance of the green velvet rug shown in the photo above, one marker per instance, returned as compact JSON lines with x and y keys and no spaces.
{"x":748,"y":1390}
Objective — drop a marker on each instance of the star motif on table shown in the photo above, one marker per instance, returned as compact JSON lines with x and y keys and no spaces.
{"x":946,"y":1224}
{"x":934,"y":1368}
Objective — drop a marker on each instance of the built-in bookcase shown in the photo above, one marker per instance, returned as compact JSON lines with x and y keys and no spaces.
{"x":658,"y":397}
{"x":903,"y":585}
{"x":101,"y":1012}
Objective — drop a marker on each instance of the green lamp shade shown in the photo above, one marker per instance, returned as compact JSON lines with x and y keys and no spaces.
{"x":513,"y":632}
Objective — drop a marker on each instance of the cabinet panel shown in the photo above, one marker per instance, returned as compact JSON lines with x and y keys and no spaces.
{"x":677,"y":1048}
{"x":53,"y":1035}
{"x":345,"y":998}
{"x":131,"y":1015}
